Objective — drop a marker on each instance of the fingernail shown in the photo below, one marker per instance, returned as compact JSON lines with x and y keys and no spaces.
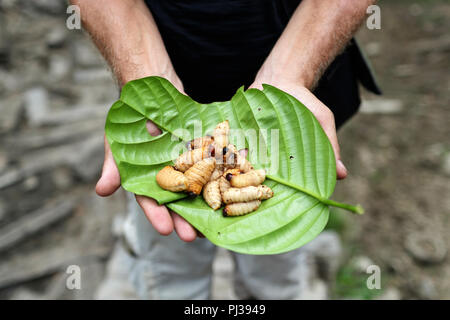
{"x":341,"y":166}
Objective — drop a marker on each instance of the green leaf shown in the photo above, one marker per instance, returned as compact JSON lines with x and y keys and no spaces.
{"x":281,"y":134}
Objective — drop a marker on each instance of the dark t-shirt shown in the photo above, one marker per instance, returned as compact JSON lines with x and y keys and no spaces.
{"x":216,"y":46}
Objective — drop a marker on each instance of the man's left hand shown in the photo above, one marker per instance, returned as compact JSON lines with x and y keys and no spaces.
{"x":322,"y":113}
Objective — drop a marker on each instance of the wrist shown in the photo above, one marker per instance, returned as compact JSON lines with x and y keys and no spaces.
{"x":168,"y":74}
{"x":146,"y":64}
{"x":281,"y":74}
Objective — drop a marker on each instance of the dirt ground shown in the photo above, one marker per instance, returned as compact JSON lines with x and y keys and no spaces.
{"x":398,"y":158}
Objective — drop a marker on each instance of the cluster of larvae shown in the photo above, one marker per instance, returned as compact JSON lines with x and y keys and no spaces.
{"x":213,"y":165}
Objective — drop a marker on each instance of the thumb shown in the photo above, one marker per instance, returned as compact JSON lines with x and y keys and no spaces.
{"x":109,"y":181}
{"x":326,"y":119}
{"x":152,"y":128}
{"x":330,"y":130}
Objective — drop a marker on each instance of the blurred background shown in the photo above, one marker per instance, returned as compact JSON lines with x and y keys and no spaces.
{"x":55,"y":91}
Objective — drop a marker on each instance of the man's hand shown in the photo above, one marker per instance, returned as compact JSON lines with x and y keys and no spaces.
{"x":315,"y":34}
{"x":127,"y":36}
{"x":322,"y":113}
{"x":162,"y":219}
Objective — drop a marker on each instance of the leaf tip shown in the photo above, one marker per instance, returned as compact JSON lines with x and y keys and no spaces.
{"x":359,"y":209}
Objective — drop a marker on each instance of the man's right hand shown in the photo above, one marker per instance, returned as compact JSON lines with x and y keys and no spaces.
{"x":127,"y":36}
{"x":162,"y":219}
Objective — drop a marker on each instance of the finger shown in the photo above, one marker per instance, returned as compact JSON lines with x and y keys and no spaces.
{"x":326,"y":119}
{"x":341,"y":170}
{"x":179,"y":85}
{"x":109,"y":181}
{"x":152,"y":128}
{"x":323,"y":115}
{"x":158,"y":215}
{"x":184,"y":230}
{"x":328,"y":125}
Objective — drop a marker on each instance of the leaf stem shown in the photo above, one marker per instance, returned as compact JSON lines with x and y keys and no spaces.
{"x":358,"y":209}
{"x":355,"y":209}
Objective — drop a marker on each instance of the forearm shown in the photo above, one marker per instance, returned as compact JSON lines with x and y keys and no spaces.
{"x":316,"y":33}
{"x":126,"y":34}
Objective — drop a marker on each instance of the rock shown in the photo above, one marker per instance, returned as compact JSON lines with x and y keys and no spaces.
{"x":446,"y":164}
{"x":397,"y":264}
{"x":63,"y":134}
{"x":405,"y":70}
{"x":361,"y":263}
{"x":84,"y":158}
{"x":4,"y":57}
{"x":415,"y":9}
{"x":381,"y":106}
{"x":424,"y":288}
{"x":36,"y":105}
{"x":98,"y":229}
{"x":96,"y":93}
{"x":54,"y":7}
{"x":3,"y":162}
{"x":78,"y":113}
{"x":373,"y":49}
{"x":62,"y":178}
{"x":434,"y":155}
{"x":8,"y":4}
{"x":91,"y":75}
{"x":426,"y":247}
{"x":3,"y":211}
{"x":10,"y":177}
{"x":86,"y":55}
{"x":92,"y":275}
{"x":30,"y":183}
{"x":390,"y":294}
{"x":34,"y":222}
{"x":57,"y":288}
{"x":435,"y":44}
{"x":54,"y":290}
{"x":317,"y":290}
{"x":25,"y":294}
{"x":56,"y":38}
{"x":59,"y":66}
{"x":10,"y":82}
{"x":88,"y":160}
{"x":5,"y":48}
{"x":11,"y":111}
{"x":46,"y":261}
{"x":86,"y":239}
